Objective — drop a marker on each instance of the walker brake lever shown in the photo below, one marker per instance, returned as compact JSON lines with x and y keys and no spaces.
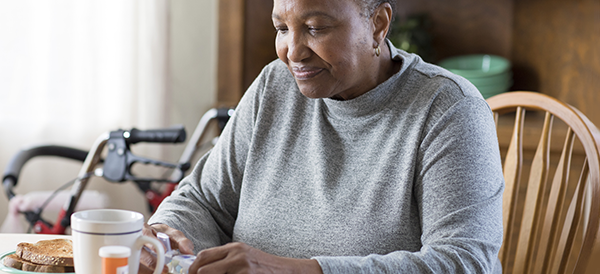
{"x":119,"y":160}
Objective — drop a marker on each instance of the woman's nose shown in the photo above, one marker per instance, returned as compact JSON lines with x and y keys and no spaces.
{"x":297,"y":48}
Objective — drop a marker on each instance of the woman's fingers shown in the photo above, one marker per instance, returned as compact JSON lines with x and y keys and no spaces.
{"x":207,"y":257}
{"x":185,"y":246}
{"x":178,"y":239}
{"x":241,"y":258}
{"x":148,"y":262}
{"x":143,"y":269}
{"x":231,"y":258}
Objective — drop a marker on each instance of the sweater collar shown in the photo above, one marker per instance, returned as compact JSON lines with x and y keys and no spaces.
{"x":371,"y":101}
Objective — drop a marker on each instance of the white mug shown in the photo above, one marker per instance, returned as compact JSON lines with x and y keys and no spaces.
{"x":93,"y":229}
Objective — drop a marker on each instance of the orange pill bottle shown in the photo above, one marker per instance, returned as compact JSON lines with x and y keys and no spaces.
{"x":114,"y":259}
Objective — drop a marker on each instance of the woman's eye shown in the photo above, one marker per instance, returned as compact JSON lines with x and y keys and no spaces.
{"x":315,"y":30}
{"x":281,"y":29}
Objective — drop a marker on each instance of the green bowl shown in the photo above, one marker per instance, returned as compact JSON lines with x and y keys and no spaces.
{"x":491,"y":94}
{"x":505,"y":85}
{"x":489,"y":91}
{"x":487,"y":95}
{"x":476,"y":65}
{"x":492,"y":80}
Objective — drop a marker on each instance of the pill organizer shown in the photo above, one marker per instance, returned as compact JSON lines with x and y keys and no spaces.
{"x":180,"y":264}
{"x":176,"y":262}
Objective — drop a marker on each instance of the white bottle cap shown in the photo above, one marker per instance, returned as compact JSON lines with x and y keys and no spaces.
{"x":114,"y":251}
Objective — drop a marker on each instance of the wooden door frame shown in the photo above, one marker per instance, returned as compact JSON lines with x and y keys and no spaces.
{"x":246,"y":45}
{"x":230,"y":52}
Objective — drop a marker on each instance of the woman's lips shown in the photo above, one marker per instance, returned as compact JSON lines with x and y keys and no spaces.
{"x":305,"y":73}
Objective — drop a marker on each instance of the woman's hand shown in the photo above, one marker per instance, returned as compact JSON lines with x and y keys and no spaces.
{"x":241,"y":258}
{"x":178,"y":241}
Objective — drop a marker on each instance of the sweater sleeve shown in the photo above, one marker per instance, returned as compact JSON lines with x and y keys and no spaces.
{"x":205,"y":205}
{"x":458,"y":189}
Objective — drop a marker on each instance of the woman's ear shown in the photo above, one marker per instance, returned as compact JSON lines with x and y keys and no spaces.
{"x":381,"y":20}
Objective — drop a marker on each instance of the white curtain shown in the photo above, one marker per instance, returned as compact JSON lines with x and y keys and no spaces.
{"x":73,"y":69}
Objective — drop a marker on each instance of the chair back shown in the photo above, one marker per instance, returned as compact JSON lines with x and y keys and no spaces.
{"x":551,"y":202}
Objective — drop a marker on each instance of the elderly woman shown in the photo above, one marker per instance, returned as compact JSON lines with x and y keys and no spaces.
{"x":346,"y":155}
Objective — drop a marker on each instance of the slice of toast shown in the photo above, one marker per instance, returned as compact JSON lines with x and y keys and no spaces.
{"x":27,"y":266}
{"x":13,"y":261}
{"x":55,"y":252}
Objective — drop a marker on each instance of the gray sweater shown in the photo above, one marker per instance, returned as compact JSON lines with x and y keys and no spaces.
{"x":403,"y":179}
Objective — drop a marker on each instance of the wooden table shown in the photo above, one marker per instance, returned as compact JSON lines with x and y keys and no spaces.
{"x":9,"y":241}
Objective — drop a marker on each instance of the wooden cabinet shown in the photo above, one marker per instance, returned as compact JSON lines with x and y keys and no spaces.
{"x":554,"y":45}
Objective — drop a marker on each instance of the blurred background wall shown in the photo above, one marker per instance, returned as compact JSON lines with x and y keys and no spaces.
{"x":70,"y":71}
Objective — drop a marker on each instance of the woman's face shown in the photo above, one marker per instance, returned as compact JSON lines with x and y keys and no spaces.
{"x":327,"y":45}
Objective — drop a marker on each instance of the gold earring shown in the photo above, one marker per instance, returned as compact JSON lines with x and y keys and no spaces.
{"x":378,"y":51}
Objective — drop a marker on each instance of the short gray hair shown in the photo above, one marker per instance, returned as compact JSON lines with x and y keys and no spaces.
{"x":368,"y":6}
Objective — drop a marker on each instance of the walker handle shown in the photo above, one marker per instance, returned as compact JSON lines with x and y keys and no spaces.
{"x":10,"y":177}
{"x":175,"y":134}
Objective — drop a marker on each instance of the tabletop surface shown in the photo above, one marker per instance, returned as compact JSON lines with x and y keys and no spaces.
{"x":9,"y":241}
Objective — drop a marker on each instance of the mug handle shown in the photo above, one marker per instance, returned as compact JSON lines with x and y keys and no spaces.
{"x":160,"y":251}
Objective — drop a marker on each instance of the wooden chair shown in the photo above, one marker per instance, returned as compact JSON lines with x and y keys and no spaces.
{"x":551,"y":219}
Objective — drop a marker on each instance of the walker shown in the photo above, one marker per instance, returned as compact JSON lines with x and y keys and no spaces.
{"x":115,"y":166}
